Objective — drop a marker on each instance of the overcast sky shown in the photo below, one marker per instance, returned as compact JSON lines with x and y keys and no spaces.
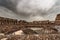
{"x":30,"y":10}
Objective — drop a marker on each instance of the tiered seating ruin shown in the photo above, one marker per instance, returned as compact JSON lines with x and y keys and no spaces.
{"x":9,"y":26}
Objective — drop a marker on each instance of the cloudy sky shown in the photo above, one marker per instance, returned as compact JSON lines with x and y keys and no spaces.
{"x":30,"y":10}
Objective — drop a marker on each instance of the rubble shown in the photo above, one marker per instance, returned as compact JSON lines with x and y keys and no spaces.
{"x":48,"y":29}
{"x":34,"y":37}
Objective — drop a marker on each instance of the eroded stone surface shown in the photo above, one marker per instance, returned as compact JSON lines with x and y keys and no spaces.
{"x":39,"y":37}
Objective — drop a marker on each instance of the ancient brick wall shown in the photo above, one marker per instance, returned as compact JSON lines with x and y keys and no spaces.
{"x":48,"y":31}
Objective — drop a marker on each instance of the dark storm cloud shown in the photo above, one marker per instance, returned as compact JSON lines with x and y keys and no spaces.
{"x":8,"y":4}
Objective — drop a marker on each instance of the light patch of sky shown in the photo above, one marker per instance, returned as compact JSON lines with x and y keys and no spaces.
{"x":40,"y":4}
{"x":44,"y":4}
